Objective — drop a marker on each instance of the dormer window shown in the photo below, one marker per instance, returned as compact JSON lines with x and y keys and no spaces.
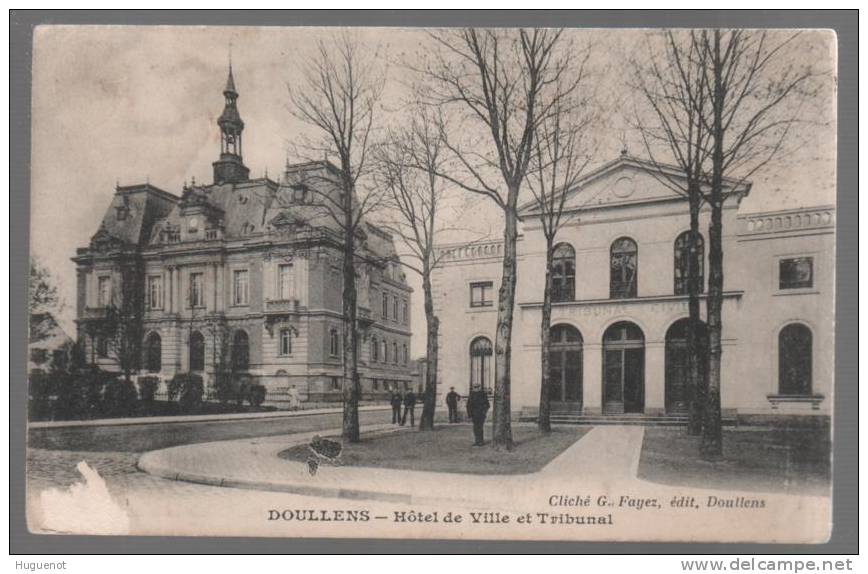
{"x":121,"y":212}
{"x":193,"y":225}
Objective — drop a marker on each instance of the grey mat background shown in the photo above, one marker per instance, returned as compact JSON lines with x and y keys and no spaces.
{"x":844,"y":538}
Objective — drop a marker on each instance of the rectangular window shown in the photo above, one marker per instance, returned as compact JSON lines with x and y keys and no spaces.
{"x":334,"y":343}
{"x":197,"y":290}
{"x":284,"y":282}
{"x":336,"y":384}
{"x":155,"y":292}
{"x":375,"y":384}
{"x":395,"y":308}
{"x":104,"y":291}
{"x":285,"y":342}
{"x":385,"y":305}
{"x":797,"y":273}
{"x":101,"y":347}
{"x":404,"y":317}
{"x":240,"y":290}
{"x":481,"y":294}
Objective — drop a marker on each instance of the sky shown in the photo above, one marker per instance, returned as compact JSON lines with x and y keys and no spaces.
{"x":131,"y":104}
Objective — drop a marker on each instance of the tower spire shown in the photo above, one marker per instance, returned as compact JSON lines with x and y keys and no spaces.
{"x":230,"y":167}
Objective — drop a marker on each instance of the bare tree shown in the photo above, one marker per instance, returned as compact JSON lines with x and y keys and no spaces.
{"x":496,"y":79}
{"x":672,"y":116}
{"x":757,"y":95}
{"x":559,"y":158}
{"x":409,"y":162}
{"x":337,"y":95}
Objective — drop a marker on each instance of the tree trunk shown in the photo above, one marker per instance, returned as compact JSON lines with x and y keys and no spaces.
{"x":712,"y":435}
{"x":431,"y":347}
{"x":544,"y":422}
{"x":352,"y":388}
{"x":502,"y":433}
{"x":695,"y":380}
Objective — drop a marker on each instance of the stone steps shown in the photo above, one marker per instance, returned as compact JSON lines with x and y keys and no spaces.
{"x":624,"y":419}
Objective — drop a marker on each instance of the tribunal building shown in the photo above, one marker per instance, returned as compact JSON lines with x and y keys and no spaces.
{"x":243,"y":275}
{"x":619,"y":311}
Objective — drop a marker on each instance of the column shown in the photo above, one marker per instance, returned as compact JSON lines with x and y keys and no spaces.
{"x":176,"y":284}
{"x":592,"y":378}
{"x":167,"y":290}
{"x":213,"y":287}
{"x":655,"y":377}
{"x":170,"y":290}
{"x":221,"y":287}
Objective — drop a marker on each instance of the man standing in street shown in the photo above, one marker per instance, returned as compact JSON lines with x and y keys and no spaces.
{"x":452,"y":404}
{"x":396,"y":406}
{"x":409,"y":405}
{"x":477,"y":409}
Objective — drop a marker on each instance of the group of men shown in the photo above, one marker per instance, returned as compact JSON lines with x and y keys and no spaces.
{"x":477,"y":409}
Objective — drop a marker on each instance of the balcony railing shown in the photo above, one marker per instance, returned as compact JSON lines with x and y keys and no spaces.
{"x":282,"y":306}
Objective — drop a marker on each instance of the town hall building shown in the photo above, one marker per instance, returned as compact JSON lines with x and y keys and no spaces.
{"x":241,"y":275}
{"x":619,"y":311}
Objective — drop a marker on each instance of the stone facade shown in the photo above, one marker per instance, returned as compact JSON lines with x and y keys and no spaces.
{"x":779,"y":290}
{"x":242,"y":274}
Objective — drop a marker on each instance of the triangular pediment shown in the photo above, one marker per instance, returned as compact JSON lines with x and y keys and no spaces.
{"x":624,"y":182}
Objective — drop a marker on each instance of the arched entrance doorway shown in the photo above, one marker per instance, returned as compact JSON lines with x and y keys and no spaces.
{"x":565,"y":369}
{"x":677,"y":369}
{"x":623,"y":369}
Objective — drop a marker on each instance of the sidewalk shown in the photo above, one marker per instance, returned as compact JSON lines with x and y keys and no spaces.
{"x":197,"y":418}
{"x":610,"y":451}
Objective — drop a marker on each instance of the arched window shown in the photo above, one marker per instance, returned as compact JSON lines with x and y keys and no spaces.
{"x":564,"y":272}
{"x":153,"y":353}
{"x":240,"y":351}
{"x":795,"y":348}
{"x":385,"y":351}
{"x":623,"y":268}
{"x":480,"y":362}
{"x":375,"y":350}
{"x":395,"y":352}
{"x":197,"y":351}
{"x":683,"y":259}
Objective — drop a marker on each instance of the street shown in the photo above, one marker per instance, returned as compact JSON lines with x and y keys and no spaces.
{"x":113,"y":450}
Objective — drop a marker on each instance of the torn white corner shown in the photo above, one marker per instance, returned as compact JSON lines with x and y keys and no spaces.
{"x":83,"y":508}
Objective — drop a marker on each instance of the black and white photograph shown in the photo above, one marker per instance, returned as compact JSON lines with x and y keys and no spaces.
{"x":534,"y":284}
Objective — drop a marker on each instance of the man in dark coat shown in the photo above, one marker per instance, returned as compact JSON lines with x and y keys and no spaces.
{"x":452,"y":404}
{"x":477,"y":409}
{"x":396,"y":401}
{"x":409,"y":406}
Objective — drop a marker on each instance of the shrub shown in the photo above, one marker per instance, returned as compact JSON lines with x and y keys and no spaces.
{"x":119,"y":397}
{"x":241,"y":385}
{"x":189,"y":389}
{"x":148,"y":388}
{"x":173,"y":389}
{"x":256,"y":395}
{"x":225,"y":388}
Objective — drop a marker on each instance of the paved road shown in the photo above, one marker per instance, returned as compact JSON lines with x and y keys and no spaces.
{"x":113,"y":451}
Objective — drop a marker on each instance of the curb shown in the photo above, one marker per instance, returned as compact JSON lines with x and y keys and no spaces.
{"x":196,"y":418}
{"x":155,"y":468}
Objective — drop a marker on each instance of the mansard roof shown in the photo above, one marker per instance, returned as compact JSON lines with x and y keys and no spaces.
{"x":132,"y":213}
